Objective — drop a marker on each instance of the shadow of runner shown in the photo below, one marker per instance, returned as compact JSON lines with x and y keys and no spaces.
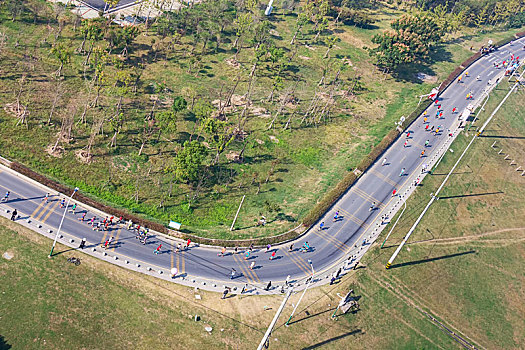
{"x":432,"y":259}
{"x":328,"y":341}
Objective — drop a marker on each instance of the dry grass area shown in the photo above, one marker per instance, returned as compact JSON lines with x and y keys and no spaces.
{"x":464,"y":261}
{"x":97,"y":306}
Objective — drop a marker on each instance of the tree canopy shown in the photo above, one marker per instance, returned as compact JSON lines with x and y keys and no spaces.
{"x":409,"y":41}
{"x":189,"y":161}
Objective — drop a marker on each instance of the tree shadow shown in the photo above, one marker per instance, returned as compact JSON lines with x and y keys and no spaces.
{"x":285,"y":217}
{"x":417,"y":262}
{"x":3,"y":344}
{"x":409,"y":72}
{"x":328,"y":341}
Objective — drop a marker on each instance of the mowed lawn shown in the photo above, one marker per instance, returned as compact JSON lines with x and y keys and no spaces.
{"x":464,"y":262}
{"x":463,"y":267}
{"x":50,"y":303}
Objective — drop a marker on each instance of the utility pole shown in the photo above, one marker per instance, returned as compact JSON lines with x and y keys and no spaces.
{"x":435,"y":195}
{"x":238,"y":210}
{"x":265,"y":340}
{"x":311,"y":278}
{"x":61,"y":221}
{"x":393,"y":227}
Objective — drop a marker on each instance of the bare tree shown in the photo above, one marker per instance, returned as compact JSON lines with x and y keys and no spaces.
{"x":97,"y":125}
{"x":147,"y":132}
{"x":66,"y":125}
{"x":18,"y":92}
{"x":59,"y":91}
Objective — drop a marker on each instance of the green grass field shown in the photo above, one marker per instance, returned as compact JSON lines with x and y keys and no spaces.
{"x":463,"y":263}
{"x":301,"y":163}
{"x":462,"y":266}
{"x":50,"y":303}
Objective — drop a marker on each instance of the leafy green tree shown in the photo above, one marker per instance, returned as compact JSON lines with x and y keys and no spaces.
{"x":15,"y":8}
{"x":481,"y":17}
{"x":220,"y":135}
{"x":409,"y":41}
{"x":115,"y":125}
{"x":94,"y":33}
{"x":179,"y":104}
{"x":424,"y":28}
{"x":517,"y":21}
{"x":391,"y":51}
{"x":189,"y":161}
{"x":62,"y":54}
{"x":320,"y":11}
{"x":243,"y":24}
{"x":121,"y":38}
{"x":330,"y":42}
{"x":302,"y":19}
{"x":167,"y":122}
{"x":202,"y":109}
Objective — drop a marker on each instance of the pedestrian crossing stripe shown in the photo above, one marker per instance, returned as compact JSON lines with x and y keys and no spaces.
{"x":182,"y":262}
{"x":366,"y":196}
{"x":171,"y":255}
{"x":44,"y":209}
{"x":38,"y":208}
{"x":301,"y":267}
{"x":50,"y":212}
{"x":116,"y":240}
{"x":304,"y":263}
{"x":338,"y":244}
{"x":354,"y":219}
{"x":383,"y":177}
{"x":178,"y":265}
{"x":254,"y":274}
{"x":245,"y":274}
{"x":250,"y":275}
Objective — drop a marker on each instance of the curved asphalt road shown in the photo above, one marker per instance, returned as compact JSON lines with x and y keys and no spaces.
{"x":330,"y":247}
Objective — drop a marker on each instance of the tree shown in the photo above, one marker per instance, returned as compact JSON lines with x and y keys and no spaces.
{"x":147,"y":132}
{"x":330,"y":42}
{"x":99,"y":77}
{"x":167,"y":122}
{"x":189,"y":161}
{"x":59,"y":91}
{"x":220,"y":135}
{"x":179,"y":104}
{"x":302,"y":19}
{"x":62,"y":54}
{"x":318,"y":16}
{"x":243,"y":24}
{"x":3,"y":42}
{"x":15,"y":8}
{"x":115,"y":125}
{"x":93,"y":33}
{"x":423,"y":26}
{"x":21,"y":111}
{"x":480,"y":17}
{"x":409,"y":40}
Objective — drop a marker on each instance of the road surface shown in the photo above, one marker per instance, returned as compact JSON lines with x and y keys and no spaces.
{"x":360,"y":209}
